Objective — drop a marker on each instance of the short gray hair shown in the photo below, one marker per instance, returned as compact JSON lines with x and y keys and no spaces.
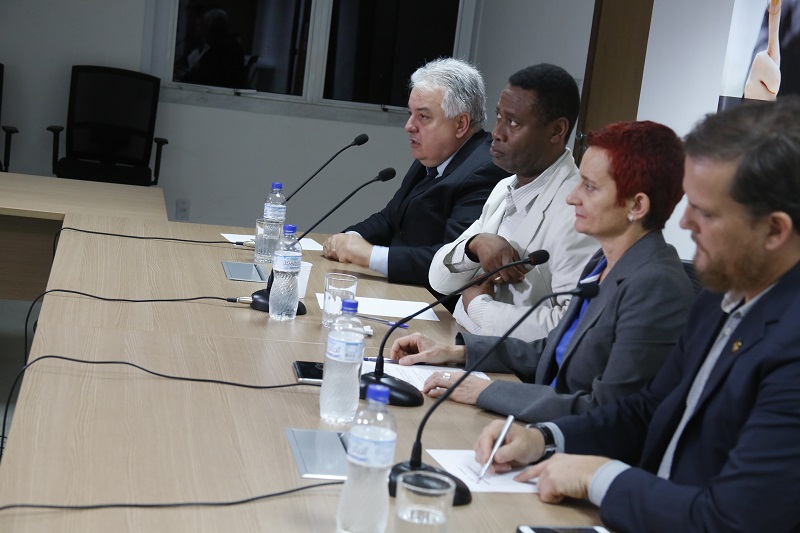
{"x":464,"y":90}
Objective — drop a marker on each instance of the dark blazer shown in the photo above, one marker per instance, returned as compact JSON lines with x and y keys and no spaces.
{"x":619,"y":344}
{"x":737,"y":464}
{"x":414,"y":226}
{"x":789,"y":37}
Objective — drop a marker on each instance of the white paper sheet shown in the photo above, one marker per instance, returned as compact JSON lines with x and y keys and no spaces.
{"x":392,"y":308}
{"x":309,"y":244}
{"x":415,"y":374}
{"x":235,"y":237}
{"x":462,"y":464}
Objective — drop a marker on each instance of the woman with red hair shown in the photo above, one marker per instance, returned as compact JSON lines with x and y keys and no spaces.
{"x":609,"y":345}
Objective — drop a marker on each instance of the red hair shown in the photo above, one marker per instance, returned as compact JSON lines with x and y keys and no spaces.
{"x":644,"y":157}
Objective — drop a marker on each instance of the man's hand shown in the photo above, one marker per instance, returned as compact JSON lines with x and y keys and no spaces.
{"x":417,"y":348}
{"x":494,"y":251}
{"x":522,"y":447}
{"x":468,"y":392}
{"x":764,"y":80}
{"x":347,"y":248}
{"x":487,"y":287}
{"x":563,"y":476}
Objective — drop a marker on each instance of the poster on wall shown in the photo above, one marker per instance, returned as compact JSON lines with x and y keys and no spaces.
{"x":761,"y":62}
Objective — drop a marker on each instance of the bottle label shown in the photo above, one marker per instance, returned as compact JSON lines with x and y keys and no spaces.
{"x":349,"y":352}
{"x":368,"y":452}
{"x":275,"y":211}
{"x":285,"y":261}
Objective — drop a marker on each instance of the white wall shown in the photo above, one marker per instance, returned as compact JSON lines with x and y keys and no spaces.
{"x":514,"y":34}
{"x":39,"y":41}
{"x":222,"y":161}
{"x":682,"y":75}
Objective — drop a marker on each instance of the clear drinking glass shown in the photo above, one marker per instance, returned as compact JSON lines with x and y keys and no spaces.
{"x":338,"y":287}
{"x":424,"y":502}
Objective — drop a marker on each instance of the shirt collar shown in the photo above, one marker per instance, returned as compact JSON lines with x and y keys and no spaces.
{"x":734,"y":299}
{"x":440,"y":168}
{"x":542,"y":179}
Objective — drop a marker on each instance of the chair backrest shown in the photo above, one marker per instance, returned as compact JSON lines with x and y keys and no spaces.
{"x":112,"y":115}
{"x":691,"y":273}
{"x":2,"y":68}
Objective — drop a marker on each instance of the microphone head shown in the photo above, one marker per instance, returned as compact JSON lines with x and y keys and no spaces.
{"x":386,"y":174}
{"x":361,"y":139}
{"x":587,"y":290}
{"x":539,"y":257}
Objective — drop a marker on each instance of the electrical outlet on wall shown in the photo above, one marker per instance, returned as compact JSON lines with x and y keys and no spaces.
{"x":181,"y":209}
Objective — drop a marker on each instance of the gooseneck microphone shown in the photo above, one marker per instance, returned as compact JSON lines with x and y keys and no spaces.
{"x":402,"y":393}
{"x":384,"y":175}
{"x":358,"y":141}
{"x":260,"y":299}
{"x":463,"y":495}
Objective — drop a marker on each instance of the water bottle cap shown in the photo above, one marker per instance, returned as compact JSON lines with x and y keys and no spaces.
{"x":277,"y":185}
{"x":349,"y":306}
{"x":378,"y":393}
{"x":289,"y":229}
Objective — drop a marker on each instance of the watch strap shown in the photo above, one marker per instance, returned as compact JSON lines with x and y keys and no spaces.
{"x":550,"y":447}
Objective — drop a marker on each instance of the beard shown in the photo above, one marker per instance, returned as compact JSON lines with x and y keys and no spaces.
{"x":739,"y":271}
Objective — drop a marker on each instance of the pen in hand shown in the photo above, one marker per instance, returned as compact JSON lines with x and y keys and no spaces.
{"x":381,"y":320}
{"x":387,"y":361}
{"x":497,"y":444}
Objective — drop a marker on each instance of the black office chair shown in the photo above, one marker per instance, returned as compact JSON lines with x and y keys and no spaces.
{"x":110,"y":127}
{"x":688,"y":267}
{"x":9,"y":130}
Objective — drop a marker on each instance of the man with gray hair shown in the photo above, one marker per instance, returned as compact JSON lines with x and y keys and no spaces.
{"x":445,"y":188}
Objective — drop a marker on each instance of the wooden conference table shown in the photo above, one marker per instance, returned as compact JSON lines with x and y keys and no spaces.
{"x":88,"y":434}
{"x":32,"y":209}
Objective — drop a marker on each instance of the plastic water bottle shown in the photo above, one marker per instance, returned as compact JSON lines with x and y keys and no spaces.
{"x":338,"y":399}
{"x":364,"y":503}
{"x":286,"y":261}
{"x":275,"y":217}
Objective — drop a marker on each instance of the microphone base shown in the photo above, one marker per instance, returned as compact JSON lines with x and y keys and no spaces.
{"x":261,"y":302}
{"x":401,"y":393}
{"x":462,"y":496}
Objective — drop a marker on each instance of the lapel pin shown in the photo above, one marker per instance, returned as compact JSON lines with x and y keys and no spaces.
{"x":736,"y":345}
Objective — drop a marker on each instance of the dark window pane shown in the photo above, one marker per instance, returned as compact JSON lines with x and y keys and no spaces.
{"x":248,"y":44}
{"x":281,"y":45}
{"x":374,"y":47}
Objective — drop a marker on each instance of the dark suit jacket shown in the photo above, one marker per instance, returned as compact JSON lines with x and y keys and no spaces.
{"x":789,"y":37}
{"x":414,"y":226}
{"x":737,"y":464}
{"x":619,"y":344}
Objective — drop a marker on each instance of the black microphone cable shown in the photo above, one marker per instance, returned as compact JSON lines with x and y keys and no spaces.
{"x":141,"y":237}
{"x":133,"y":365}
{"x":128,"y":300}
{"x":171,"y":505}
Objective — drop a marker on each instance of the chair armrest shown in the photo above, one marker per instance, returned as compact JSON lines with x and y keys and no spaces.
{"x":160,"y":142}
{"x":9,"y":130}
{"x":56,"y":131}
